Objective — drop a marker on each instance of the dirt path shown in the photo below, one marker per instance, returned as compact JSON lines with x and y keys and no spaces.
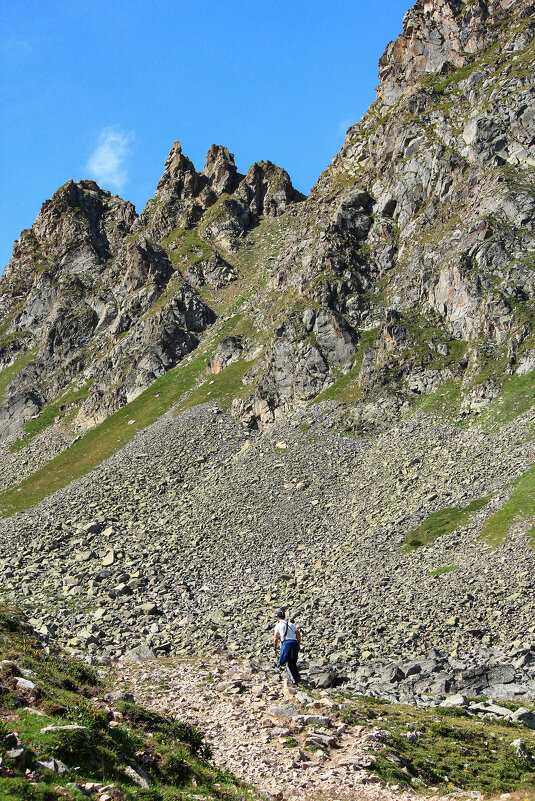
{"x":253,"y":732}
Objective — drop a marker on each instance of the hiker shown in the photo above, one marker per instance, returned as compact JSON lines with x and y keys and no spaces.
{"x":290,"y":638}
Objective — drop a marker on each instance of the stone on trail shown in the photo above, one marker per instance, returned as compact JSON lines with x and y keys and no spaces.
{"x":324,"y":680}
{"x":318,"y":720}
{"x":138,"y":654}
{"x":149,"y":608}
{"x":109,"y":559}
{"x":94,"y":527}
{"x":287,"y":711}
{"x":453,"y":701}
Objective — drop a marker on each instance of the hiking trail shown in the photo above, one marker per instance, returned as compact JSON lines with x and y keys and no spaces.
{"x":286,"y":744}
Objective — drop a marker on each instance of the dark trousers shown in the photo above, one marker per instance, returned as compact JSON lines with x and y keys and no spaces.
{"x":288,"y":657}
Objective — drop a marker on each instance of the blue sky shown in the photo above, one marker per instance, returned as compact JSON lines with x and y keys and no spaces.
{"x":101,"y":89}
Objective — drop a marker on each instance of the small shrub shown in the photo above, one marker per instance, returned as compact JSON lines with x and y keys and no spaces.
{"x":175,"y":769}
{"x":74,"y":747}
{"x":85,"y":714}
{"x":187,"y":733}
{"x":150,"y":794}
{"x":19,"y":789}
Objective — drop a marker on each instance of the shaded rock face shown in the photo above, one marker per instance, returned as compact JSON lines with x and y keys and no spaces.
{"x":183,"y":193}
{"x":228,"y":351}
{"x":265,"y":190}
{"x":215,"y":272}
{"x":92,"y":298}
{"x":76,"y":296}
{"x":221,"y":171}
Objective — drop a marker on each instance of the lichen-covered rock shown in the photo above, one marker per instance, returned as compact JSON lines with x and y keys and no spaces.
{"x":228,"y":351}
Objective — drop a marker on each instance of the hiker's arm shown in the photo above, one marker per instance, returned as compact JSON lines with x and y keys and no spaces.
{"x":298,"y":638}
{"x":275,"y":641}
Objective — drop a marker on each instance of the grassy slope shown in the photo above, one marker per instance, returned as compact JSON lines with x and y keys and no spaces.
{"x":69,"y":692}
{"x":102,"y":441}
{"x":70,"y":397}
{"x":519,"y":507}
{"x":173,"y":388}
{"x":450,"y":748}
{"x":441,"y":522}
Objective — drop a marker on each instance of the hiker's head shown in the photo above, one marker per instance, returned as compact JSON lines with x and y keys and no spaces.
{"x":280,"y":615}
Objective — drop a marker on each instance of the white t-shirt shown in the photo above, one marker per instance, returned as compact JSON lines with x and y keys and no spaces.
{"x":280,"y":628}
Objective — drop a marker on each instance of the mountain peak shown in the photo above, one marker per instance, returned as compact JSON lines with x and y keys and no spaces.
{"x":438,"y":34}
{"x":220,"y":170}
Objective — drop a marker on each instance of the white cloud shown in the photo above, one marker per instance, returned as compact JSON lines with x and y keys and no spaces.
{"x":107,"y":163}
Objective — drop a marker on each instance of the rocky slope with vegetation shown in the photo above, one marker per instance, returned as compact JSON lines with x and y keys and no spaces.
{"x":67,"y":732}
{"x":243,"y":398}
{"x":71,"y":732}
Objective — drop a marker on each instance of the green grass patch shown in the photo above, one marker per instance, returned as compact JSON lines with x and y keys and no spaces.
{"x":441,"y":570}
{"x":444,"y":403}
{"x":117,"y":430}
{"x":446,"y":749}
{"x":223,"y":387}
{"x":9,"y":373}
{"x":517,"y":396}
{"x":520,"y":506}
{"x":186,"y":247}
{"x":444,"y":521}
{"x":218,"y":211}
{"x":49,"y":413}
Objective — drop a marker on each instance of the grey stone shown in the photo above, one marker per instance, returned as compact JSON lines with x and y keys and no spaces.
{"x":138,"y":776}
{"x":454,"y":701}
{"x":288,"y":711}
{"x":523,"y":751}
{"x":54,"y":765}
{"x":66,"y":727}
{"x":139,"y":654}
{"x":524,"y":716}
{"x":24,"y":684}
{"x":17,"y":754}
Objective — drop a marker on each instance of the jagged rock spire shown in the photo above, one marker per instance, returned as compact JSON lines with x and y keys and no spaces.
{"x":220,"y":170}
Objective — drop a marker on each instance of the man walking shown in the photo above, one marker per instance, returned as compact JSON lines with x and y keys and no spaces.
{"x":290,"y":639}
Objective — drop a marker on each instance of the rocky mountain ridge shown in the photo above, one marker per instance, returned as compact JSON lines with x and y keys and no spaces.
{"x":347,"y":377}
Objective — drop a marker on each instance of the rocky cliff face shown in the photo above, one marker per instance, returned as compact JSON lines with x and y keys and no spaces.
{"x":409,"y":265}
{"x":404,"y":284}
{"x":91,"y":300}
{"x":421,"y":230}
